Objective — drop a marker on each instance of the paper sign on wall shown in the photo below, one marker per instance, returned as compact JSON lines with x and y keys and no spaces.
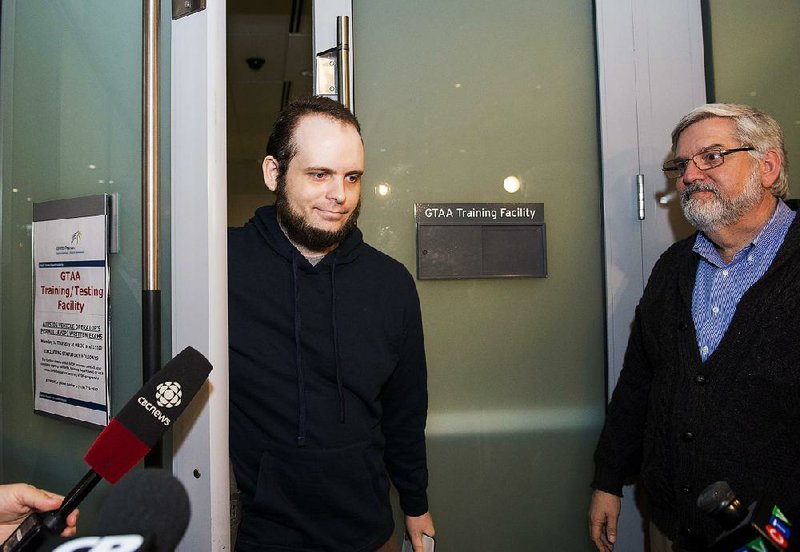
{"x":70,"y":305}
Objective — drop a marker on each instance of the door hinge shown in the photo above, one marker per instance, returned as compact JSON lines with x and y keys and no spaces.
{"x":182,"y":8}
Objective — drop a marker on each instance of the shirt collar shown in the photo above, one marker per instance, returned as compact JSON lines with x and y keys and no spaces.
{"x":770,"y":236}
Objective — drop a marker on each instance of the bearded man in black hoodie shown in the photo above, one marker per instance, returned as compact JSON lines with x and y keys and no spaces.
{"x":328,"y":393}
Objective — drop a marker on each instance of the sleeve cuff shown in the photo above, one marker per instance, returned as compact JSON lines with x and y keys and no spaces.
{"x":414,"y":505}
{"x":609,"y":480}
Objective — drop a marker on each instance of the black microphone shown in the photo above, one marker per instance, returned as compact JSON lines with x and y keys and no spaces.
{"x":148,"y":510}
{"x":761,"y":526}
{"x":112,"y":543}
{"x":124,"y":442}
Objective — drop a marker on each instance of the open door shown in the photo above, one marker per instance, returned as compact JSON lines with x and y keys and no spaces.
{"x":207,"y":156}
{"x":199,"y":266}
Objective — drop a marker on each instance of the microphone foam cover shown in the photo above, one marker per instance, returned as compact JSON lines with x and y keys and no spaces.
{"x":715,"y":497}
{"x":149,"y":502}
{"x":115,"y":451}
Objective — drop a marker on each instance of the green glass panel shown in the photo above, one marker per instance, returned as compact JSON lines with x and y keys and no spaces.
{"x":751,"y":58}
{"x":71,"y":104}
{"x":454,"y":97}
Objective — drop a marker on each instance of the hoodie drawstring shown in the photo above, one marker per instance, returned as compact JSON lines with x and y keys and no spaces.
{"x":336,"y":341}
{"x":301,"y":386}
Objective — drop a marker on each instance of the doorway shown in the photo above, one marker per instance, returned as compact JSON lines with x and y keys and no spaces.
{"x":516,"y":366}
{"x":269,"y":61}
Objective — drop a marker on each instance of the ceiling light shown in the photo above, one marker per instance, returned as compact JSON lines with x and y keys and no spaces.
{"x":511,"y":184}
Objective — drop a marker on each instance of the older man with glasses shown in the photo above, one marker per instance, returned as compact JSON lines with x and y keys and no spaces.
{"x":710,"y":385}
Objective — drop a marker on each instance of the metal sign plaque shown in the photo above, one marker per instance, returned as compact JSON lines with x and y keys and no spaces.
{"x":480,"y":240}
{"x":479,"y":213}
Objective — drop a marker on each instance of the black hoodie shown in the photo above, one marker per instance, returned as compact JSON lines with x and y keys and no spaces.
{"x":327,"y":392}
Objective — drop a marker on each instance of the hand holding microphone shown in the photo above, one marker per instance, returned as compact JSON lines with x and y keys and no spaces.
{"x":19,"y":500}
{"x":124,"y":442}
{"x":148,"y":510}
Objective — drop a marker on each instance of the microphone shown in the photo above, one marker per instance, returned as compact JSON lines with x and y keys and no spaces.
{"x":760,"y":526}
{"x":148,"y":415}
{"x":115,"y":543}
{"x":148,"y":510}
{"x":124,"y":442}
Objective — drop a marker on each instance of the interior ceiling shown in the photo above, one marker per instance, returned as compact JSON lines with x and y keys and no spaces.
{"x":279,"y":32}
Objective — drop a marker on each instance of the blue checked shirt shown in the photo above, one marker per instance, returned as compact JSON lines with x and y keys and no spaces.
{"x":718,"y":287}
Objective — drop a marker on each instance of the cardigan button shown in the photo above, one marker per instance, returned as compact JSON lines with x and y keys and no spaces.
{"x":686,"y":489}
{"x":700,"y":379}
{"x":683,"y":326}
{"x":688,"y":436}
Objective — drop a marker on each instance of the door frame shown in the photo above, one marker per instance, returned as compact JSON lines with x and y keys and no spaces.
{"x":199,"y":254}
{"x":650,"y":73}
{"x":199,"y":266}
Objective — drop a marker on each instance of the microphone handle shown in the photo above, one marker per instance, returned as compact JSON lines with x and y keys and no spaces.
{"x":37,"y":526}
{"x":56,"y":520}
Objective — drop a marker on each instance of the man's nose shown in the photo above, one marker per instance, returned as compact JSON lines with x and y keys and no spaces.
{"x":336,"y":189}
{"x":692,"y":173}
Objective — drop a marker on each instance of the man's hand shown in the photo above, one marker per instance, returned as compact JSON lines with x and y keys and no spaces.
{"x":17,"y":501}
{"x":416,"y":526}
{"x":603,"y":516}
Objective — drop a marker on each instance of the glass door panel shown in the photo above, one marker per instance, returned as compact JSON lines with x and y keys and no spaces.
{"x":752,"y":59}
{"x":71,"y":104}
{"x":454,"y":97}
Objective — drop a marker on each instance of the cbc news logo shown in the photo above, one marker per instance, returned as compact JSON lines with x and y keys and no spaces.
{"x":168,"y":394}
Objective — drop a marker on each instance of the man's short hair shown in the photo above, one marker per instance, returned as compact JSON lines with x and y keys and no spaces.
{"x":752,"y":128}
{"x":281,"y":144}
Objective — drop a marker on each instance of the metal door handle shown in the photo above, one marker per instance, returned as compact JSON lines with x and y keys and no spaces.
{"x":640,"y":195}
{"x":343,"y":48}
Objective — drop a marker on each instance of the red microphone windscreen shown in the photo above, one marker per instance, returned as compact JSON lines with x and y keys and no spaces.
{"x":115,"y":451}
{"x":148,"y":415}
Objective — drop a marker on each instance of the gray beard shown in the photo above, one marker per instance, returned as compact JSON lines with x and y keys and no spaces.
{"x":303,"y":234}
{"x":720,"y":211}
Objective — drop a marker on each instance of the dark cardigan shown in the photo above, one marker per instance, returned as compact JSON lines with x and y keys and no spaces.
{"x":682,"y":424}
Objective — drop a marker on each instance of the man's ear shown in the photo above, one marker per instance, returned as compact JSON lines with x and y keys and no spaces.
{"x":770,"y":168}
{"x":270,"y":169}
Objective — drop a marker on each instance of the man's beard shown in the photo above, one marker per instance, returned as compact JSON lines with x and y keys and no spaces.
{"x":301,"y":233}
{"x":720,"y":211}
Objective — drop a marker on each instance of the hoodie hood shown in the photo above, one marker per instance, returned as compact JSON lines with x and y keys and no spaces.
{"x":266,"y":221}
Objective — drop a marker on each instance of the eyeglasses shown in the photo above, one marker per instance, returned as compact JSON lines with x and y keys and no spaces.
{"x":706,"y":159}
